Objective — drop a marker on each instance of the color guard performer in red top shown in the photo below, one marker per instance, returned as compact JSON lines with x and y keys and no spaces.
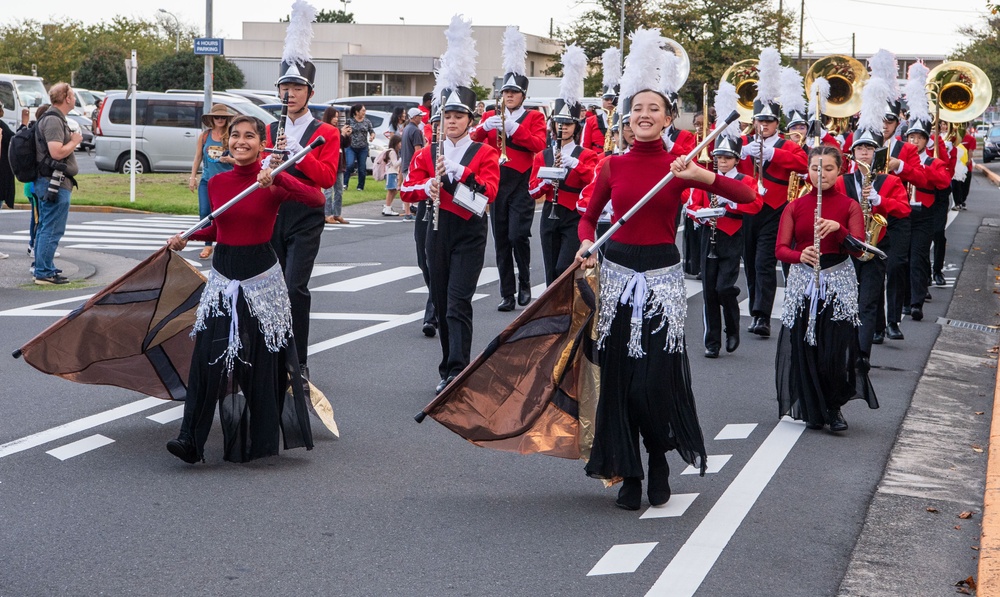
{"x":461,"y":178}
{"x":815,"y":367}
{"x":645,"y":381}
{"x":518,"y":134}
{"x":567,"y":167}
{"x":775,"y":158}
{"x":299,"y":226}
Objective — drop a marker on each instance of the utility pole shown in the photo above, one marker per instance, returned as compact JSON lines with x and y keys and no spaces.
{"x":802,"y":20}
{"x":780,"y":10}
{"x":209,"y":75}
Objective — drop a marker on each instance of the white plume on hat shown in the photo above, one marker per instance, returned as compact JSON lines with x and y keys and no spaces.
{"x":299,"y":33}
{"x":878,"y":91}
{"x":611,"y":63}
{"x":438,"y":86}
{"x":769,"y":78}
{"x":574,"y":62}
{"x":726,"y":100}
{"x":515,"y":51}
{"x":822,"y":87}
{"x":668,"y":73}
{"x":643,"y":62}
{"x":458,"y":65}
{"x":915,"y":91}
{"x":791,"y":98}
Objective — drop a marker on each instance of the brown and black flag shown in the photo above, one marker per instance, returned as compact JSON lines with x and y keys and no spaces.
{"x":534,"y":389}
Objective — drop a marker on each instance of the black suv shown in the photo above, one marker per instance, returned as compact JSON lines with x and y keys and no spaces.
{"x":991,"y":144}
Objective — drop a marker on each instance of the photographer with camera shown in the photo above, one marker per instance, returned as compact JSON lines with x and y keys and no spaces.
{"x":55,"y":144}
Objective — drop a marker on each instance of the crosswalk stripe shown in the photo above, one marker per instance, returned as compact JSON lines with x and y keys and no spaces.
{"x":487,"y":276}
{"x":675,"y":507}
{"x":715,"y":464}
{"x":370,"y":280}
{"x":736,"y":431}
{"x":622,"y":558}
{"x":80,"y":447}
{"x":167,"y":416}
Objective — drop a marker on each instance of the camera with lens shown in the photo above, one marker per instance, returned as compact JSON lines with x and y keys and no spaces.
{"x":55,"y":181}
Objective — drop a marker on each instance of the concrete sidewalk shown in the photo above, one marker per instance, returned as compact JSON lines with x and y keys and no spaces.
{"x":914,"y":540}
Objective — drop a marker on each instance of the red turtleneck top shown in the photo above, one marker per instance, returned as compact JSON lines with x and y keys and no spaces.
{"x":795,"y":231}
{"x":625,"y":179}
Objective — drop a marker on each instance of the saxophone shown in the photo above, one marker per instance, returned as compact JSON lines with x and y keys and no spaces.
{"x":609,"y":138}
{"x":874,"y":223}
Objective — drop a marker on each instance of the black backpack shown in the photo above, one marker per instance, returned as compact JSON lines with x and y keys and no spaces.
{"x":23,"y":159}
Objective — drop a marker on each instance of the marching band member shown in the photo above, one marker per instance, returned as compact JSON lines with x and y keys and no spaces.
{"x":523,"y":136}
{"x":948,"y":151}
{"x":299,"y":226}
{"x":591,"y":136}
{"x":922,"y":201}
{"x":560,"y":218}
{"x":816,"y":372}
{"x":461,"y":177}
{"x":722,"y":243}
{"x":607,"y":119}
{"x":645,"y":386}
{"x":885,"y":195}
{"x":679,"y":142}
{"x":776,"y":159}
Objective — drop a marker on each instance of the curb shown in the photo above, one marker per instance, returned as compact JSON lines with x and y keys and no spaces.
{"x":994,"y":178}
{"x":989,"y":544}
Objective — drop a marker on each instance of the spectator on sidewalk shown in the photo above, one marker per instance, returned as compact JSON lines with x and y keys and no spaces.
{"x":213,"y":157}
{"x":6,"y":174}
{"x":362,"y":133}
{"x":57,"y":167}
{"x":335,"y":194}
{"x":390,"y":157}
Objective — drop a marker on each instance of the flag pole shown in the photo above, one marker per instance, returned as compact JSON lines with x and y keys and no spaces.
{"x":658,"y":186}
{"x":284,"y":166}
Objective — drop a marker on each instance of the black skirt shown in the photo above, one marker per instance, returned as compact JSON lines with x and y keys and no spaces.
{"x":649,"y":396}
{"x":813,"y":382}
{"x":251,"y":419}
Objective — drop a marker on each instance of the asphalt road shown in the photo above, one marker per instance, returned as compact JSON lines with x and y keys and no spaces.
{"x":397,"y":508}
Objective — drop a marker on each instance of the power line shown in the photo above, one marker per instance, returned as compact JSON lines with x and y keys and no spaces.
{"x":867,"y":2}
{"x":881,"y":28}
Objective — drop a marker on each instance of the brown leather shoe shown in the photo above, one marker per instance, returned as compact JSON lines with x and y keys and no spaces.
{"x":340,"y":220}
{"x":330,"y":219}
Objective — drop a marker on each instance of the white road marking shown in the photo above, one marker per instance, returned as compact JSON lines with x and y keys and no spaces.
{"x":371,"y":280}
{"x":692,"y":287}
{"x":40,"y":310}
{"x":322,"y":270}
{"x":80,"y":447}
{"x":49,"y":435}
{"x":354,"y":316}
{"x":622,"y":558}
{"x":715,"y":464}
{"x":736,"y":431}
{"x":676,"y":506}
{"x":168,"y":416}
{"x":487,"y":276}
{"x":779,"y":304}
{"x":688,"y":569}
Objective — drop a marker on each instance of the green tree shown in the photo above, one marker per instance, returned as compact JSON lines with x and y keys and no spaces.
{"x":482,"y":93}
{"x":330,"y":16}
{"x":104,"y":68}
{"x":187,"y":71}
{"x":983,"y":50}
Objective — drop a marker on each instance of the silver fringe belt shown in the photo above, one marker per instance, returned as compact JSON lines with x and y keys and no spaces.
{"x":838,"y":289}
{"x":267,"y":298}
{"x":655,"y":292}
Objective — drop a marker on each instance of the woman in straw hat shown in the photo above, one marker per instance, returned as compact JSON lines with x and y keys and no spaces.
{"x":213,"y":157}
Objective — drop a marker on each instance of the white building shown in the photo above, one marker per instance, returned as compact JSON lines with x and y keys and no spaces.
{"x":357,"y":59}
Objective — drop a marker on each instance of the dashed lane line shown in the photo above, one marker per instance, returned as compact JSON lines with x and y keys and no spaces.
{"x":80,"y":447}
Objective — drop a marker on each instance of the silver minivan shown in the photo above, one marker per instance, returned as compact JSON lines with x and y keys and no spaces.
{"x":167,"y":129}
{"x":18,"y":92}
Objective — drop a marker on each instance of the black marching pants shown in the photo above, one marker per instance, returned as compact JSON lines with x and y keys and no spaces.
{"x":420,"y":238}
{"x":871,"y":286}
{"x":760,"y":233}
{"x":455,"y":253}
{"x":511,"y":215}
{"x":296,"y":239}
{"x":718,"y":282}
{"x":897,"y":268}
{"x":560,"y":239}
{"x":921,"y":233}
{"x":940,"y":210}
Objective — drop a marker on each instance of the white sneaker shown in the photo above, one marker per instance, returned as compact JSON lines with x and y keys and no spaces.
{"x":389,"y":211}
{"x":55,"y":255}
{"x":4,"y":256}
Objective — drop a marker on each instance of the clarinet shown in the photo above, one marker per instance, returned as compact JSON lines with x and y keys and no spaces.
{"x":280,"y":132}
{"x":713,"y":202}
{"x":435,"y":135}
{"x":557,"y":162}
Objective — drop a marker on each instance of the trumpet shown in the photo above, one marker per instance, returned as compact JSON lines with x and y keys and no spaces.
{"x":502,"y":133}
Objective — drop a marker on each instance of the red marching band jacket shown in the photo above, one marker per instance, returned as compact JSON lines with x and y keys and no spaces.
{"x":681,"y":142}
{"x":588,"y":190}
{"x":318,"y":167}
{"x":788,"y":158}
{"x":528,"y":139}
{"x":481,"y":172}
{"x":912,"y":172}
{"x":894,"y":200}
{"x":591,"y":136}
{"x":936,"y":178}
{"x":733,"y":220}
{"x":570,"y":188}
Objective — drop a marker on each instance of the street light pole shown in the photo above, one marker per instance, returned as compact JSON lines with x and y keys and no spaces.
{"x":345,"y":3}
{"x":177,"y":22}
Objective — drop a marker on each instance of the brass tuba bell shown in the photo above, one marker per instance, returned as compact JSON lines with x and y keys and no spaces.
{"x":846,"y":76}
{"x":963,"y":90}
{"x":743,"y":76}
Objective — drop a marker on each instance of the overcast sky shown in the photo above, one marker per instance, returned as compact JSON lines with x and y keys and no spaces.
{"x":928,"y":27}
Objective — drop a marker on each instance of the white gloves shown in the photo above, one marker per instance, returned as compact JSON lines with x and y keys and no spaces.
{"x":293,"y":145}
{"x":723,"y":202}
{"x":874,"y":199}
{"x":491,"y":123}
{"x":754,"y":150}
{"x":453,"y":169}
{"x":570,"y":162}
{"x":511,"y":127}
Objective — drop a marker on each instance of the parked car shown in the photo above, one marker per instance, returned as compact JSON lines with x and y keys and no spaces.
{"x":381,"y":103}
{"x":86,"y":103}
{"x":991,"y":145}
{"x":18,"y":92}
{"x":257,"y":96}
{"x":167,"y":129}
{"x":82,"y":124}
{"x":275,"y":109}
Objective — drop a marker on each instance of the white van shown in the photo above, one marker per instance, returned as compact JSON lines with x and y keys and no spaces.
{"x":167,"y":129}
{"x":18,"y":92}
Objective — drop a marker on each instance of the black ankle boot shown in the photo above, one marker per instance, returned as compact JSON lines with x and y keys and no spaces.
{"x":658,"y":485}
{"x":630,"y":495}
{"x":184,"y":449}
